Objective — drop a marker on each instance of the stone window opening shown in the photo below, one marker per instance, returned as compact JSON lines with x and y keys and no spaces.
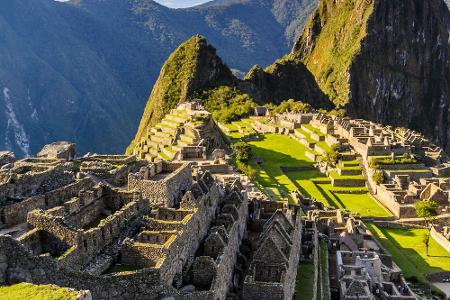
{"x":85,"y":244}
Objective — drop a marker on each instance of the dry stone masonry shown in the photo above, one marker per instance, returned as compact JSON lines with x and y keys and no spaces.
{"x":124,"y":228}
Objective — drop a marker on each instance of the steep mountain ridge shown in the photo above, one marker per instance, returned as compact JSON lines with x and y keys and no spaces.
{"x":83,"y":71}
{"x":195,"y":71}
{"x":192,"y":66}
{"x":387,"y":61}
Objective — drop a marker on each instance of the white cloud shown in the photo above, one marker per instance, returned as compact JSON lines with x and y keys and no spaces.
{"x":180,"y":3}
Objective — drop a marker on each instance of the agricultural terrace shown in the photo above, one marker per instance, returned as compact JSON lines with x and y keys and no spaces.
{"x":282,"y":166}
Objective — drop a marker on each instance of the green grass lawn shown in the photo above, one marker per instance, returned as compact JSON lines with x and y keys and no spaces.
{"x":36,"y":292}
{"x":408,"y":251}
{"x":304,"y":281}
{"x":363,"y":204}
{"x":278,"y":151}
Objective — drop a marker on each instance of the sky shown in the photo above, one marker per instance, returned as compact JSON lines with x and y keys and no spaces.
{"x":180,"y":3}
{"x":172,"y":3}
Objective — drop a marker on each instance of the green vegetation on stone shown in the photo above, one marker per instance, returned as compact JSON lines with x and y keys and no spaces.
{"x":279,"y":154}
{"x":304,"y":281}
{"x":36,"y":292}
{"x":290,"y":105}
{"x":184,"y":72}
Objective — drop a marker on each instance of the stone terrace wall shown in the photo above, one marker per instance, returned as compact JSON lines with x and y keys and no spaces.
{"x":289,"y":283}
{"x":19,"y":266}
{"x":85,"y":244}
{"x":183,"y":249}
{"x":440,"y":238}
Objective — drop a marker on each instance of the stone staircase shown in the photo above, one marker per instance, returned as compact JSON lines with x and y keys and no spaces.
{"x":166,"y":138}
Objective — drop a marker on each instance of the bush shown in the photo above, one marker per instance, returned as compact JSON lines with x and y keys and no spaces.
{"x":332,"y":156}
{"x":373,"y":163}
{"x":227,"y":104}
{"x":405,"y":159}
{"x":378,"y":177}
{"x":426,"y":209}
{"x":338,"y":112}
{"x":243,"y":151}
{"x":290,"y":105}
{"x":246,"y":169}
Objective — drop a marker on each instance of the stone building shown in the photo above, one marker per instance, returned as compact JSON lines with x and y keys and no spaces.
{"x":272,"y":270}
{"x":360,"y":268}
{"x":363,"y":275}
{"x":123,"y":228}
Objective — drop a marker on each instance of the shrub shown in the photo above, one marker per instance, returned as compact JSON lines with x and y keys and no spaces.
{"x":426,"y":209}
{"x":227,"y":104}
{"x":246,"y":169}
{"x":243,"y":151}
{"x":338,"y":112}
{"x":291,"y":105}
{"x":373,"y":163}
{"x":378,"y":177}
{"x":405,"y":159}
{"x":332,"y":156}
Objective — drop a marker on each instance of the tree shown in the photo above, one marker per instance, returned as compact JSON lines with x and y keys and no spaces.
{"x":293,"y":106}
{"x":242,"y":150}
{"x":428,"y":211}
{"x":332,"y":156}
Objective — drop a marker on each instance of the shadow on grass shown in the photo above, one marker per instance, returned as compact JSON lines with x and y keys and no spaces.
{"x":334,"y":201}
{"x":273,"y":162}
{"x":409,"y":259}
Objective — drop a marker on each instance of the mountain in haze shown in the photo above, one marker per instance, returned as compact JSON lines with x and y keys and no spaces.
{"x":82,"y":71}
{"x":386,"y":61}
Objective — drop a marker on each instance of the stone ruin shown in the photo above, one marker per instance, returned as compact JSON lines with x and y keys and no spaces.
{"x":404,"y":183}
{"x":188,"y":132}
{"x":58,"y":150}
{"x":361,"y":269}
{"x":124,"y":228}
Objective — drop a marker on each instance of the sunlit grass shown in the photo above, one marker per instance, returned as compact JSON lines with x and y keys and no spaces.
{"x":36,"y":292}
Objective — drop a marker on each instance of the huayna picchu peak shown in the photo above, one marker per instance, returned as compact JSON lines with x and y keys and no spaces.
{"x":387,"y":61}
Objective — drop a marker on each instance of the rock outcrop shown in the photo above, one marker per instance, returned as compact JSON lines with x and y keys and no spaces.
{"x":387,"y":61}
{"x":285,"y":79}
{"x":6,"y":157}
{"x":58,"y":150}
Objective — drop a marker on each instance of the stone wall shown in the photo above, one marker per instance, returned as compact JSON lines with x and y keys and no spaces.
{"x":86,"y":244}
{"x":226,"y":260}
{"x":17,"y":213}
{"x":166,"y":187}
{"x":440,"y":239}
{"x":19,"y":266}
{"x":387,"y":198}
{"x":21,"y":186}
